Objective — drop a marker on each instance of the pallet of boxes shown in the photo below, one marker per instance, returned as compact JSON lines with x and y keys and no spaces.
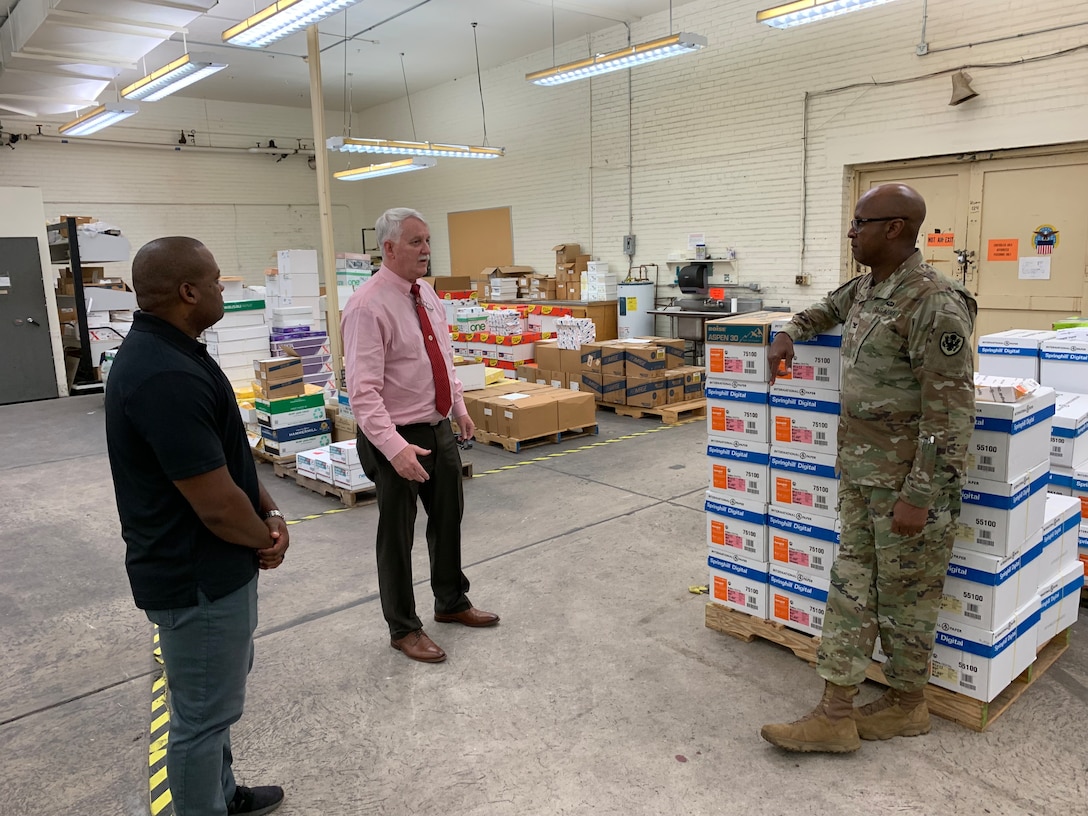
{"x":1012,"y":588}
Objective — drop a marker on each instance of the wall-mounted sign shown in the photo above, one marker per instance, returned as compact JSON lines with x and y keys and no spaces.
{"x":1045,"y":238}
{"x":940,"y":239}
{"x":1003,"y":249}
{"x":1034,"y":268}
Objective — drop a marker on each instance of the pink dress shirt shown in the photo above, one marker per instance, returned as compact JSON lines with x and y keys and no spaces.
{"x":389,"y":376}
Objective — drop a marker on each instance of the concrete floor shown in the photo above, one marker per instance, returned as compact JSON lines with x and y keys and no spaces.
{"x":601,"y":691}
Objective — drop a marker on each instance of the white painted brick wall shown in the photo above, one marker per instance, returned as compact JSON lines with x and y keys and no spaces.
{"x":712,"y":141}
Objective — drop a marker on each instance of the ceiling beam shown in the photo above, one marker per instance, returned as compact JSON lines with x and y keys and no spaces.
{"x":115,"y":25}
{"x":79,"y":103}
{"x":72,"y":58}
{"x":196,"y":8}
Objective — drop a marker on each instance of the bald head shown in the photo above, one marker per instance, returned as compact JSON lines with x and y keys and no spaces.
{"x":896,"y":200}
{"x":163,"y":265}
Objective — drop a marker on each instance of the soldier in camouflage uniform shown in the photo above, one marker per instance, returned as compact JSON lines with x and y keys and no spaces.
{"x":905,"y":423}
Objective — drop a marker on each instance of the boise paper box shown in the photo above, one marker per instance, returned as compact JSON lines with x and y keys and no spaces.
{"x":817,"y":363}
{"x":738,"y":583}
{"x":736,"y":526}
{"x":736,"y":346}
{"x":807,"y":542}
{"x":985,"y":590}
{"x":797,"y":599}
{"x":1010,"y":438}
{"x":1069,"y":431}
{"x":1012,"y":353}
{"x":738,"y":409}
{"x":804,"y":418}
{"x":738,"y":469}
{"x":803,"y":480}
{"x":997,"y":517}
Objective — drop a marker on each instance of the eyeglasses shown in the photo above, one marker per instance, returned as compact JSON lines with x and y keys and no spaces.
{"x":857,"y":222}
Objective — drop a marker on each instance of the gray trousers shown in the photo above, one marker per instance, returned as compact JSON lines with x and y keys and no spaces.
{"x":208,"y":651}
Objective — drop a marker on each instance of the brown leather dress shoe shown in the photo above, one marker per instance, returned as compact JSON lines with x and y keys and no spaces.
{"x":470,"y":617}
{"x":418,"y":646}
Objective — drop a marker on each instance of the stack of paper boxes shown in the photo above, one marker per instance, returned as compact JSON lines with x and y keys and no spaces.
{"x":312,"y":348}
{"x":643,"y":372}
{"x":240,"y":337}
{"x":597,"y":283}
{"x":336,"y":464}
{"x":290,"y":424}
{"x":293,"y":290}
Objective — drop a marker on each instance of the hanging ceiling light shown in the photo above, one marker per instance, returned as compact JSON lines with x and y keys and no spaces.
{"x":172,"y":77}
{"x":446,"y":151}
{"x":101,"y":117}
{"x":628,"y":57}
{"x":387,"y":169}
{"x":282,"y":19}
{"x":809,"y":11}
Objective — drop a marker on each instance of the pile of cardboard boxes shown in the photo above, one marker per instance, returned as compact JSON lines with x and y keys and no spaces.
{"x":519,"y":410}
{"x":291,"y":415}
{"x":647,"y":372}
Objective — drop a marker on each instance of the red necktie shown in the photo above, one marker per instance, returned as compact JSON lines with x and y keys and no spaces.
{"x":442,"y":399}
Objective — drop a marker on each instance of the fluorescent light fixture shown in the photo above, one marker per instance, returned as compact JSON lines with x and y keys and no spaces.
{"x":445,"y":151}
{"x":627,"y":57}
{"x":101,"y":117}
{"x":809,"y":11}
{"x":172,"y":77}
{"x":387,"y":169}
{"x":281,"y":19}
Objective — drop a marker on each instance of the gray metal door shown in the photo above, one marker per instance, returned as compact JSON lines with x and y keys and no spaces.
{"x":26,"y":353}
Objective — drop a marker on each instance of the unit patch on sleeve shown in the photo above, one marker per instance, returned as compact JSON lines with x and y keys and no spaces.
{"x":951,"y":344}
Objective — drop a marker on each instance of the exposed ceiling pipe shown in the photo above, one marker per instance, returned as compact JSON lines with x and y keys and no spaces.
{"x":271,"y":151}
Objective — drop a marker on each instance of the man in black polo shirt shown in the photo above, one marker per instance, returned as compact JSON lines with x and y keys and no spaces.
{"x":196,"y":521}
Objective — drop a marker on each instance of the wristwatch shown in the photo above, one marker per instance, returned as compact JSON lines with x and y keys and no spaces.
{"x":275,"y":514}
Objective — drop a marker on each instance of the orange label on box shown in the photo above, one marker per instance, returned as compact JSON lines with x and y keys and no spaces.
{"x":721,"y":588}
{"x":941,"y":239}
{"x":720,"y":476}
{"x":717,"y":532}
{"x":1084,"y":507}
{"x":783,"y":429}
{"x":781,"y":607}
{"x":781,"y":550}
{"x":1084,"y":560}
{"x":717,"y":361}
{"x":717,"y":419}
{"x":783,"y":490}
{"x":1002,"y":249}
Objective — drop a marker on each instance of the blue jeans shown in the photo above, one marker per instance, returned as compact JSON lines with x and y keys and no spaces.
{"x":208,"y":652}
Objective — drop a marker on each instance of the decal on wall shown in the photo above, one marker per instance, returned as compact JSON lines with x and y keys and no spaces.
{"x":1045,"y":238}
{"x":1003,"y":249}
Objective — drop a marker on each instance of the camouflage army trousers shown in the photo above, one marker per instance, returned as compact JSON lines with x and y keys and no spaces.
{"x":887,"y":584}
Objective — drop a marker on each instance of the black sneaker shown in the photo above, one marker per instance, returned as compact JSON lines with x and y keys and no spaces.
{"x":256,"y":801}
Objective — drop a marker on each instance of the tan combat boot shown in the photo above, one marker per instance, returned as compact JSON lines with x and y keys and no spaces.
{"x":828,"y":728}
{"x":895,"y":714}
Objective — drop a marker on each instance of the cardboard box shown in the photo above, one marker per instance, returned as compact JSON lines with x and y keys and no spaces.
{"x":1060,"y":522}
{"x":590,"y":356}
{"x":807,"y":542}
{"x":552,"y":379}
{"x":471,"y":374}
{"x":752,"y":328}
{"x":739,"y":469}
{"x":591,"y":382}
{"x":575,"y":410}
{"x":302,"y":416}
{"x":996,"y":518}
{"x":350,"y":478}
{"x":674,"y":349}
{"x":738,"y":409}
{"x":613,"y":389}
{"x":804,"y":480}
{"x":985,"y":590}
{"x":284,"y":448}
{"x":1060,"y":602}
{"x":797,"y":600}
{"x":1012,"y":353}
{"x":646,"y":391}
{"x":528,"y":416}
{"x":613,"y":358}
{"x":345,"y":453}
{"x":817,"y":363}
{"x":566,"y":253}
{"x":973,"y":661}
{"x":276,"y":369}
{"x":281,"y":388}
{"x":804,"y":418}
{"x":736,"y":526}
{"x":1063,"y":364}
{"x":728,"y":361}
{"x":643,"y":359}
{"x":286,"y":405}
{"x":1010,"y":438}
{"x":694,"y":379}
{"x":1061,"y":480}
{"x":738,"y":583}
{"x":304,"y":462}
{"x":449,"y":283}
{"x":303,"y":431}
{"x":1069,"y":430}
{"x":674,"y":387}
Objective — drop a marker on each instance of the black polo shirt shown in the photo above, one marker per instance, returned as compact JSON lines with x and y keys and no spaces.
{"x":170,"y":415}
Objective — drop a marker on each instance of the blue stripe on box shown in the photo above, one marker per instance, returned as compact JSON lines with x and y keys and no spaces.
{"x":977,"y":576}
{"x":296,"y":431}
{"x":1052,"y":598}
{"x":1009,"y":351}
{"x":797,"y":588}
{"x":1061,"y":480}
{"x":1031,"y":620}
{"x":1010,"y":426}
{"x":727,"y":452}
{"x":1073,"y":586}
{"x":1063,"y":356}
{"x":804,"y":404}
{"x":736,"y":394}
{"x":1071,"y":523}
{"x":739,"y":513}
{"x":810,"y":468}
{"x":1002,"y":502}
{"x":801,"y":528}
{"x":750,"y":573}
{"x":979,"y":649}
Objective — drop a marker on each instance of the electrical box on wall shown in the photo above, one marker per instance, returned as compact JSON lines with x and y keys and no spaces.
{"x":629,"y":245}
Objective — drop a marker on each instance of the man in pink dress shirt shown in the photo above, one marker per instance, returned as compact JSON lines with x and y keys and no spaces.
{"x":406,"y":445}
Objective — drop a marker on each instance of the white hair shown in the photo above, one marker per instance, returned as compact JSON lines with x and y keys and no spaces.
{"x":390,"y":223}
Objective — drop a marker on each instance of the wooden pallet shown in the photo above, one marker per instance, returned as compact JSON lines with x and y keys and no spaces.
{"x":974,"y":714}
{"x":347,"y":496}
{"x":288,"y":471}
{"x":261,"y":456}
{"x":515,"y":445}
{"x":669,"y":414}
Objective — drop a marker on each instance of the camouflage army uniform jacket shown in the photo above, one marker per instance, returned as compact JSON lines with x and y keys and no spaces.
{"x":908,"y":398}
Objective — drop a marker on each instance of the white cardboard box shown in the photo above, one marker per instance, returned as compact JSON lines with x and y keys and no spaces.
{"x":738,"y":583}
{"x":1012,"y":353}
{"x":1063,"y":365}
{"x":303,"y":416}
{"x":985,"y":590}
{"x":736,"y":526}
{"x":738,"y":410}
{"x":817,"y":363}
{"x":803,"y":541}
{"x":804,"y":418}
{"x":997,"y":517}
{"x":1010,"y":438}
{"x":345,"y":453}
{"x":736,"y":361}
{"x":1060,"y":602}
{"x":1060,"y":526}
{"x":350,"y":477}
{"x":1061,"y":480}
{"x":803,"y":480}
{"x":973,"y":661}
{"x":1069,"y":431}
{"x":739,"y":469}
{"x":322,"y":460}
{"x":797,"y":600}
